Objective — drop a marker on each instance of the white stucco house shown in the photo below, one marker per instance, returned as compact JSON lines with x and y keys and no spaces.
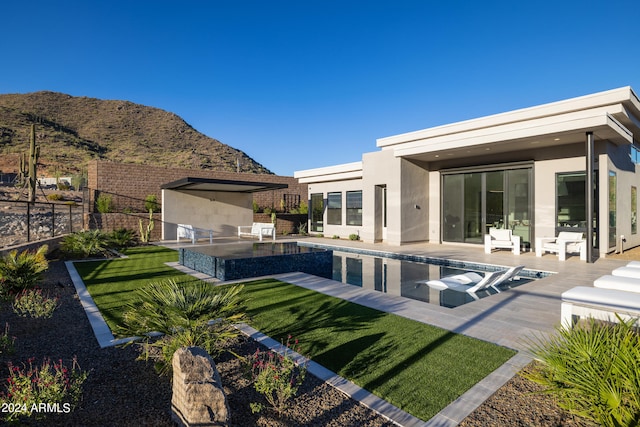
{"x":570,"y":165}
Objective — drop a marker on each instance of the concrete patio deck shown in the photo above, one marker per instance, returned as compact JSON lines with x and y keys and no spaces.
{"x":508,"y":318}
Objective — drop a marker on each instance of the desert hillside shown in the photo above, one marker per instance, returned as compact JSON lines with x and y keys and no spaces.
{"x":72,"y":130}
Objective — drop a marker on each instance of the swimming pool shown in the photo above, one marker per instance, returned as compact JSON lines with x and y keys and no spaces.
{"x":392,"y":273}
{"x":398,"y":274}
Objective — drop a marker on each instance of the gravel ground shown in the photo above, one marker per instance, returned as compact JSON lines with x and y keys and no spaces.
{"x":121,"y":391}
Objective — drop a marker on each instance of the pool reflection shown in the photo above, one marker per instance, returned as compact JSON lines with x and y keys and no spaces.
{"x":397,"y":277}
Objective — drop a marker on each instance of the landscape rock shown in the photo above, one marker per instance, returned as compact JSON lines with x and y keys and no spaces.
{"x":198,"y":397}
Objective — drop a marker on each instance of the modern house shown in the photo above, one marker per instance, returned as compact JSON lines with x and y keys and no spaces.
{"x":570,"y":165}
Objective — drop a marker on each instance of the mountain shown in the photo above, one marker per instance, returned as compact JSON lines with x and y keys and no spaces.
{"x":72,"y":130}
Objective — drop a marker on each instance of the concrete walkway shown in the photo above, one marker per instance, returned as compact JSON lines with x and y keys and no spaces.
{"x":508,"y":318}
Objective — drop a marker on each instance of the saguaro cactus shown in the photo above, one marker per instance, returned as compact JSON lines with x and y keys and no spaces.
{"x":34,"y":153}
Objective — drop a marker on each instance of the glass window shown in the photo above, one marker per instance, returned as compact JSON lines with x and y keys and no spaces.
{"x":612,"y":208}
{"x":354,"y":207}
{"x":316,"y":212}
{"x":635,"y":154}
{"x":634,"y":210}
{"x":570,"y":200}
{"x":334,"y":208}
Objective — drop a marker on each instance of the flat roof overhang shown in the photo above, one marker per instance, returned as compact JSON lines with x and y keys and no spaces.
{"x":341,"y":172}
{"x":551,"y":131}
{"x":221,"y":185}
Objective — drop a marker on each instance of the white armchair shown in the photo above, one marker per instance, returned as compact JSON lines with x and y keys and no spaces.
{"x":566,"y":242}
{"x":501,"y":238}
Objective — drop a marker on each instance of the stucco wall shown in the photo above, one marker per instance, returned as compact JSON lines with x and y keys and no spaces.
{"x":627,"y":175}
{"x":414,"y":202}
{"x":434,"y":207}
{"x":544,"y":173}
{"x":221,"y":212}
{"x":380,"y":169}
{"x":342,"y":230}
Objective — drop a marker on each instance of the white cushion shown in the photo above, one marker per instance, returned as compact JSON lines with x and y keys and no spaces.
{"x":628,"y":284}
{"x":503,"y":234}
{"x":612,"y":298}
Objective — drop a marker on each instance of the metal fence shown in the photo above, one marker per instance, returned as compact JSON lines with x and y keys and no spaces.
{"x":22,"y":222}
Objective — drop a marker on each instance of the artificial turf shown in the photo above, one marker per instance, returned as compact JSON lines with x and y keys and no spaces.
{"x":416,"y":367}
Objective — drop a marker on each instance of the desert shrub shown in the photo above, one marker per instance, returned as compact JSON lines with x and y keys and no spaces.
{"x":35,"y":304}
{"x":303,"y":208}
{"x":7,"y":342}
{"x":122,"y":238}
{"x":593,"y":370}
{"x":276,"y":375}
{"x":302,"y":228}
{"x":256,"y":207}
{"x":86,"y":243}
{"x":78,"y":181}
{"x":354,"y":236}
{"x":187,"y":314}
{"x":49,"y":383}
{"x":22,"y":270}
{"x":55,"y":197}
{"x":104,"y":203}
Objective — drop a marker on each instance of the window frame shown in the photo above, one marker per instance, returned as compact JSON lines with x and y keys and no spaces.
{"x":354,"y":213}
{"x":334,"y":208}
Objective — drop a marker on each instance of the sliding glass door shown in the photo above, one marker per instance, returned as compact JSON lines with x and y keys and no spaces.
{"x":475,"y":201}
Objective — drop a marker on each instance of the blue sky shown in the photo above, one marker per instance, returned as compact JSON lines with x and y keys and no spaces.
{"x":305,"y":84}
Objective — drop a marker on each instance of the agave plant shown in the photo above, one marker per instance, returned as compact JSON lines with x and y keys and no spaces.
{"x":593,"y":370}
{"x":193,"y":313}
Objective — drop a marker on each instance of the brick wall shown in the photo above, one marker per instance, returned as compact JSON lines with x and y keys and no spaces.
{"x":113,"y":221}
{"x":130,"y":184}
{"x":285,"y":224}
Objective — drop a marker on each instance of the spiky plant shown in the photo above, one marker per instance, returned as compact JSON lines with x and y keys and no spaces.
{"x":19,"y":271}
{"x":594,"y":371}
{"x":192,"y":313}
{"x":86,"y":243}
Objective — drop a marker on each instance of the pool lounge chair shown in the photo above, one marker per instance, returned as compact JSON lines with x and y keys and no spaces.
{"x":470,"y":282}
{"x":599,"y":303}
{"x":507,"y":276}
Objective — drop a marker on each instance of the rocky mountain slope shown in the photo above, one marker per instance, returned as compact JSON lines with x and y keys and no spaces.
{"x":72,"y":130}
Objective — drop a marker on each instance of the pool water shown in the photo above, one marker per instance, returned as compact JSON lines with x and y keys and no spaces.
{"x":399,"y":277}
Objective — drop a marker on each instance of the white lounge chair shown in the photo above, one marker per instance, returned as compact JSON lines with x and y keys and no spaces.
{"x":258,"y":229}
{"x":627,"y":272}
{"x":501,"y":238}
{"x":566,"y":242}
{"x":598,"y":303}
{"x":192,"y":233}
{"x":621,"y":283}
{"x":470,"y":282}
{"x":507,"y":276}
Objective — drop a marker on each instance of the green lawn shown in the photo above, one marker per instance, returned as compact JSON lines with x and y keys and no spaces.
{"x":417,"y":367}
{"x":111,"y":283}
